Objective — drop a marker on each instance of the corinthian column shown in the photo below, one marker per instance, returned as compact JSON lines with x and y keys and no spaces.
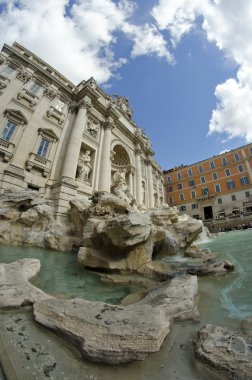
{"x":105,"y":165}
{"x":150,"y":184}
{"x":74,"y":144}
{"x":139,"y":191}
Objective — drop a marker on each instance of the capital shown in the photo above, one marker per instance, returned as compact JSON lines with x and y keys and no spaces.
{"x":109,"y":123}
{"x":85,"y":104}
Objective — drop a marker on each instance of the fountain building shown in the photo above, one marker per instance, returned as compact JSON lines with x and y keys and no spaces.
{"x":65,"y":140}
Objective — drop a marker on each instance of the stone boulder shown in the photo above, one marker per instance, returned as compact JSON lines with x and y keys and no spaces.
{"x":186,"y":230}
{"x":227,"y":351}
{"x":15,"y":289}
{"x":103,"y":332}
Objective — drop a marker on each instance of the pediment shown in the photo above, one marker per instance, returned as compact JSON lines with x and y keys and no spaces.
{"x":16,"y":115}
{"x":48,"y":132}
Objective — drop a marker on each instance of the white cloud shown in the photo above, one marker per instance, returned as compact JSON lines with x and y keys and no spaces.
{"x":83,"y":43}
{"x":228,"y":24}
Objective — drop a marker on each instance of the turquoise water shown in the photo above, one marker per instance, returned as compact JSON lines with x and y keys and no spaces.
{"x":229,"y":298}
{"x":61,"y":274}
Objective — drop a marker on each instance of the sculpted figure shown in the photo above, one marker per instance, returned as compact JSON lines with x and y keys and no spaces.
{"x":121,"y":189}
{"x":84,"y":166}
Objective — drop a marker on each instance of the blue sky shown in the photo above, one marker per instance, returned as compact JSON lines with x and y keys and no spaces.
{"x":185,"y":65}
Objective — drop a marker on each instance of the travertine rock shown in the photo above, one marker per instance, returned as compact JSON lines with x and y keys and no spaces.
{"x":103,"y":332}
{"x":15,"y":289}
{"x":227,"y":351}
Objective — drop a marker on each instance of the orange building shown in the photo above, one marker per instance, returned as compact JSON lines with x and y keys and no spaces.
{"x":216,"y":188}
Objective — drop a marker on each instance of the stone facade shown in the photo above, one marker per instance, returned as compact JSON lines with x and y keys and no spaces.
{"x":65,"y":140}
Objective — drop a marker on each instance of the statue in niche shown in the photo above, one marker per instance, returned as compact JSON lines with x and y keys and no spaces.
{"x":84,"y":166}
{"x":121,"y":189}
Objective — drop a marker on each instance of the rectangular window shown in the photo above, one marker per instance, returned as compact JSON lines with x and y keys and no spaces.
{"x":7,"y":71}
{"x":227,"y":171}
{"x":244,"y":180}
{"x":194,"y":206}
{"x":240,"y":168}
{"x":169,"y":179}
{"x":247,"y":194}
{"x":237,"y":157}
{"x":180,"y":186}
{"x":43,"y":148}
{"x":8,"y":131}
{"x":170,"y":200}
{"x":230,"y":184}
{"x":59,"y":105}
{"x":193,"y":194}
{"x":179,"y":175}
{"x":34,"y":88}
{"x":233,"y":197}
{"x":182,"y":208}
{"x":212,"y":165}
{"x":204,"y":191}
{"x":189,"y":172}
{"x":224,"y":161}
{"x":202,"y":179}
{"x":181,"y":197}
{"x":215,"y":176}
{"x":217,"y":188}
{"x":200,"y":168}
{"x":169,"y":189}
{"x":219,"y":200}
{"x":191,"y":182}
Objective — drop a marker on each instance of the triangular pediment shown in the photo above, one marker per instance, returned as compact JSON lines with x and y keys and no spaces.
{"x":48,"y":132}
{"x":16,"y":115}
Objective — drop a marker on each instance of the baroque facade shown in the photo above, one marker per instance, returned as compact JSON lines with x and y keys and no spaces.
{"x":65,"y":140}
{"x":216,"y":189}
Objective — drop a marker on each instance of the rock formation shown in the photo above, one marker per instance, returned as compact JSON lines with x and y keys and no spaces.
{"x":15,"y":288}
{"x":227,"y":351}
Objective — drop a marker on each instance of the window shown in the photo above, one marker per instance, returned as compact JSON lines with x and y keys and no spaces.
{"x":237,"y":157}
{"x":227,"y":171}
{"x":247,"y":194}
{"x":193,"y":194}
{"x":182,"y":208}
{"x":189,"y":172}
{"x":43,"y":148}
{"x":244,"y":180}
{"x":233,"y":197}
{"x":169,"y":179}
{"x":200,"y":168}
{"x":181,"y":197}
{"x":194,"y":206}
{"x":215,"y":176}
{"x":240,"y":168}
{"x":169,"y":189}
{"x":170,"y":200}
{"x":180,"y":186}
{"x":217,"y":188}
{"x":212,"y":165}
{"x":204,"y":191}
{"x":59,"y":105}
{"x":219,"y":200}
{"x":224,"y":161}
{"x":7,"y":71}
{"x":34,"y":88}
{"x":8,"y":131}
{"x":191,"y":182}
{"x":202,"y":179}
{"x":179,"y":175}
{"x":230,"y":184}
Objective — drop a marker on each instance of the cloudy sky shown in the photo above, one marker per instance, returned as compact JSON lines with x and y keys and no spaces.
{"x":185,"y":65}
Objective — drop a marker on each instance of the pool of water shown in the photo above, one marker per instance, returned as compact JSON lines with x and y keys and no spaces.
{"x":61,"y":274}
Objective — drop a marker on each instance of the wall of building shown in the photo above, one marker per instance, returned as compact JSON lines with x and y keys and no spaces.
{"x":68,"y":140}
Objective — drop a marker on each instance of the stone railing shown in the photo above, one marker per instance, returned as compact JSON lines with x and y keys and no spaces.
{"x":41,"y":163}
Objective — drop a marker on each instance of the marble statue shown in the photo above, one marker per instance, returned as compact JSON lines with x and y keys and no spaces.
{"x":121,"y":189}
{"x":84,"y":166}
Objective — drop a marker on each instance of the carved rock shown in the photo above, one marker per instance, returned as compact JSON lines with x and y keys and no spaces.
{"x":227,"y":351}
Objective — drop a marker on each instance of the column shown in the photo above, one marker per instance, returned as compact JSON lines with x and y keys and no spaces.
{"x":105,"y":164}
{"x":150,"y":184}
{"x":158,"y":191}
{"x":74,"y":144}
{"x":131,"y":181}
{"x":139,"y":191}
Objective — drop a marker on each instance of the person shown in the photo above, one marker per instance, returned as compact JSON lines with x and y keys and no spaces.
{"x":84,"y":166}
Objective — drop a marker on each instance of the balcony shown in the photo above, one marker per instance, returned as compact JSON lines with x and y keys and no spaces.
{"x":40,"y":163}
{"x":6,"y":149}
